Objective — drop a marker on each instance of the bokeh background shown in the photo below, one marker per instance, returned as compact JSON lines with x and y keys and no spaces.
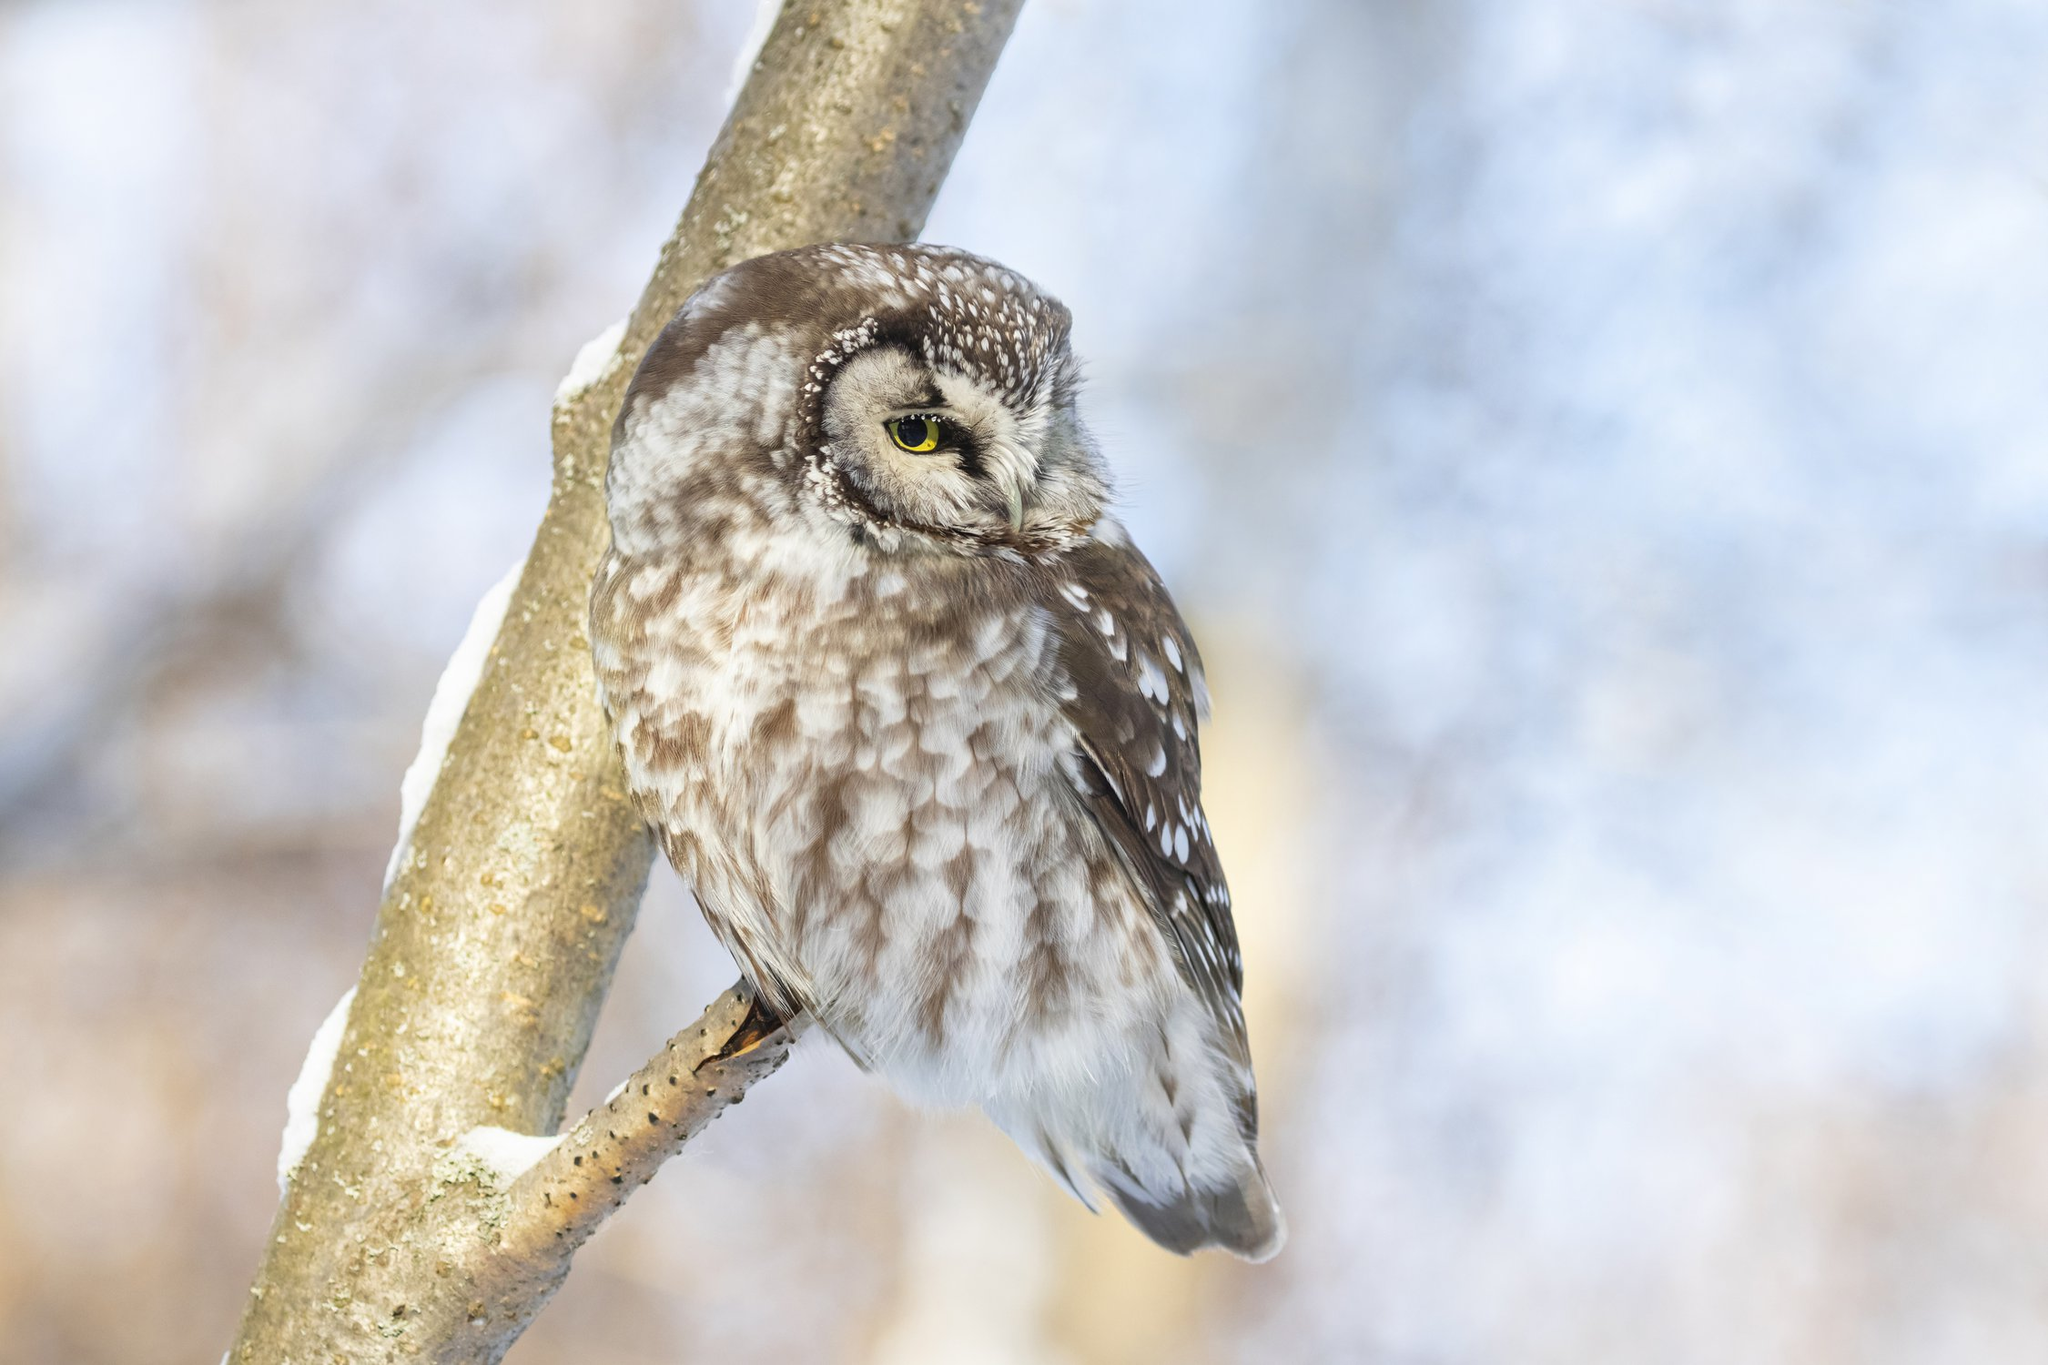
{"x":1601,"y":444}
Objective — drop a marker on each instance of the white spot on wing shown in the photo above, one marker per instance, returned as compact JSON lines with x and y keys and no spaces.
{"x":1151,"y":680}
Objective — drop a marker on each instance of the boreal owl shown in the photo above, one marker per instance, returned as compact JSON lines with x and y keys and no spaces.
{"x":916,"y":720}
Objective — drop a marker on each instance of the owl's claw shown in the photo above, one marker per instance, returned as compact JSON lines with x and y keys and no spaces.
{"x":762,"y":1022}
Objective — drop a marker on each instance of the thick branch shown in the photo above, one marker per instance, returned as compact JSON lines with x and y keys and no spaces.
{"x":495,"y":944}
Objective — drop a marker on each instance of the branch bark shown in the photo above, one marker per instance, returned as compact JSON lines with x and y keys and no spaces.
{"x":494,"y":946}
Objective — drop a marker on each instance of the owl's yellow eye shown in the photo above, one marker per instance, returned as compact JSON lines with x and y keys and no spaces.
{"x":918,"y":435}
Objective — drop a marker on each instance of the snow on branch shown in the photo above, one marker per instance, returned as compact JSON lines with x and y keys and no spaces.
{"x":451,"y":698}
{"x":302,"y":1101}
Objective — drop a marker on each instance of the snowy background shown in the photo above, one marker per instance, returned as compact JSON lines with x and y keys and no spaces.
{"x":1601,"y":444}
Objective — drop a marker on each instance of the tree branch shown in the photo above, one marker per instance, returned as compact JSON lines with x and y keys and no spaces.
{"x":495,"y":944}
{"x":563,"y":1197}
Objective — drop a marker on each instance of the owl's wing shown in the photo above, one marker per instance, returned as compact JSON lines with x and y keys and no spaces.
{"x":1132,"y":689}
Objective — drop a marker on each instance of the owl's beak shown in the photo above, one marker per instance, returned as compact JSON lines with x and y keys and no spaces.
{"x":1014,"y":473}
{"x":1013,"y":492}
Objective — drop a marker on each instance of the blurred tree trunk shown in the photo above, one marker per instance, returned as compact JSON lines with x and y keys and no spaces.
{"x":496,"y":940}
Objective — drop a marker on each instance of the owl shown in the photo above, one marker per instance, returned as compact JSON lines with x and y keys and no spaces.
{"x":917,"y":721}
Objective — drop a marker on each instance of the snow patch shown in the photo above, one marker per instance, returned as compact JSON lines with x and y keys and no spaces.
{"x":593,"y":362}
{"x":508,"y":1154}
{"x":765,"y":12}
{"x":302,"y":1101}
{"x":444,"y":712}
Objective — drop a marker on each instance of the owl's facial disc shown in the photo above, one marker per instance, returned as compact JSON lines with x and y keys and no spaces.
{"x":933,"y":452}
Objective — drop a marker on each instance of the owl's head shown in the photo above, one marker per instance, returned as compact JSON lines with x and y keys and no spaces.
{"x":912,"y":399}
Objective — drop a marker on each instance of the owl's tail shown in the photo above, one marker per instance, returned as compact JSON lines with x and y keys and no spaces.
{"x":1186,"y":1176}
{"x":1239,"y":1216}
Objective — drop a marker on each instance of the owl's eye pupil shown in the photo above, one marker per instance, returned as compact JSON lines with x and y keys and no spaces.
{"x":918,"y":435}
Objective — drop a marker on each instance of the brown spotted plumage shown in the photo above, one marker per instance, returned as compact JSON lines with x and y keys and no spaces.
{"x":918,"y":722}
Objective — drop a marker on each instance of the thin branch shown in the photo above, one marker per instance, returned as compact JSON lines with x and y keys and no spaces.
{"x":489,"y":1245}
{"x":617,"y":1147}
{"x":495,"y":944}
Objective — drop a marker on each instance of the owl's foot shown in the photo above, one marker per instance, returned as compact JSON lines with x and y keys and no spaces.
{"x":762,"y":1021}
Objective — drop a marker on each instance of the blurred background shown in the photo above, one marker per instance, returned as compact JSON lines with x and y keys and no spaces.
{"x":1602,"y":446}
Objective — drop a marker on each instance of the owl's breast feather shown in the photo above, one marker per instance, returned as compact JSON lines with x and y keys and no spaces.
{"x":863,"y":779}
